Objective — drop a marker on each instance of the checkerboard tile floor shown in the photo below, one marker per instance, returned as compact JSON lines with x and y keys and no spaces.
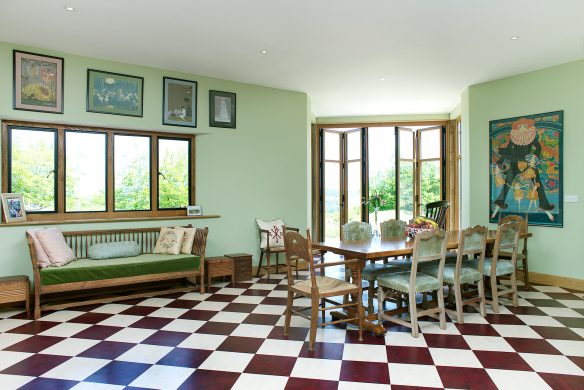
{"x":233,"y":337}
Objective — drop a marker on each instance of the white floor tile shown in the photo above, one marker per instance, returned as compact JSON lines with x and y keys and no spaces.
{"x":231,"y":291}
{"x":569,"y":347}
{"x":252,"y":299}
{"x":155,"y":302}
{"x":269,"y":309}
{"x":260,"y":382}
{"x":414,"y":375}
{"x":404,"y":339}
{"x":579,"y":331}
{"x":251,"y":330}
{"x":365,"y":353}
{"x":145,"y":353}
{"x":330,"y":335}
{"x":278,"y":294}
{"x":434,"y":327}
{"x":229,"y":316}
{"x":180,"y":325}
{"x":70,"y":347}
{"x":522,"y":331}
{"x":9,"y":312}
{"x":513,"y":380}
{"x":572,"y":303}
{"x":533,"y":295}
{"x":471,"y":318}
{"x":488,"y":343}
{"x":9,"y":358}
{"x":13,"y":382}
{"x":96,"y":386}
{"x":455,"y":357}
{"x":317,"y":369}
{"x":227,"y":361}
{"x":111,"y":308}
{"x":195,"y":296}
{"x":11,"y":323}
{"x":131,"y":335}
{"x":554,"y":364}
{"x":76,"y":369}
{"x":121,"y":320}
{"x":281,"y":347}
{"x":362,"y":386}
{"x":168,"y":312}
{"x":552,"y":289}
{"x":263,"y":286}
{"x":61,"y":315}
{"x":539,"y":320}
{"x":295,"y":321}
{"x":202,"y":341}
{"x":561,"y":312}
{"x":163,"y":377}
{"x":65,"y":329}
{"x":8,"y":339}
{"x":211,"y":305}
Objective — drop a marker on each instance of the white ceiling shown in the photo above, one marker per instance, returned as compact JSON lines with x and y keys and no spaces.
{"x":335,"y":50}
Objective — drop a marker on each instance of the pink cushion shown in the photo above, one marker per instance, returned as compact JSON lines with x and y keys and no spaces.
{"x":55,"y":246}
{"x":42,"y":257}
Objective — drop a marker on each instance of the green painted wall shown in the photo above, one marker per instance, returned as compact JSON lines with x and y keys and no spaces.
{"x":257,"y":170}
{"x":552,"y":250}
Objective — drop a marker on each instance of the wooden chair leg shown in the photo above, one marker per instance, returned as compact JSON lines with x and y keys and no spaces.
{"x":442,"y":312}
{"x":278,"y":263}
{"x":323,"y":313}
{"x":260,"y":264}
{"x":313,"y":322}
{"x":361,"y":311}
{"x":482,"y":304}
{"x":525,"y":272}
{"x":380,"y":300}
{"x":37,"y":306}
{"x":458,"y":299}
{"x":514,"y":288}
{"x":370,"y":294}
{"x":495,"y":294}
{"x":413,"y":314}
{"x":297,"y":268}
{"x":289,"y":302}
{"x":268,"y":263}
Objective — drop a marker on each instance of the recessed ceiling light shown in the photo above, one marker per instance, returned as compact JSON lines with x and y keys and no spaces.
{"x":70,"y":9}
{"x":383,"y":79}
{"x":264,"y":52}
{"x":514,"y":38}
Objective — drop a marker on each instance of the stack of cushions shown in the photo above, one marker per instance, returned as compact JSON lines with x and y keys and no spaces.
{"x":51,"y":248}
{"x":175,"y":240}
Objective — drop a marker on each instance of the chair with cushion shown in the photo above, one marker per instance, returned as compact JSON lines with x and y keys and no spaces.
{"x":271,"y":242}
{"x":428,"y":246}
{"x":356,"y":230}
{"x":506,"y":242}
{"x":472,"y":243}
{"x":521,"y":255}
{"x":319,"y":288}
{"x":437,"y":212}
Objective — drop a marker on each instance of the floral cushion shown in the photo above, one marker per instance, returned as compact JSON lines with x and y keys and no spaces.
{"x":169,"y":242}
{"x":467,"y":274}
{"x":276,"y":236}
{"x":400,"y":281}
{"x":371,"y":271}
{"x":188,"y":239}
{"x":504,"y":267}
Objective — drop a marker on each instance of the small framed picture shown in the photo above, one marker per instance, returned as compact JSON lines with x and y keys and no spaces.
{"x":38,"y":82}
{"x":222,"y":109}
{"x":194,"y":210}
{"x":13,"y":206}
{"x":179,"y":103}
{"x":114,"y":93}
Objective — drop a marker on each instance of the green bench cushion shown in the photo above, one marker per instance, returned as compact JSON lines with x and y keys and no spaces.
{"x":84,"y":270}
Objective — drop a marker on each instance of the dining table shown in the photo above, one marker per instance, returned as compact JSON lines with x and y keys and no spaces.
{"x":378,"y":249}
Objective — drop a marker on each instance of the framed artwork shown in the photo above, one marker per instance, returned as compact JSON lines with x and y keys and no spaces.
{"x":179,"y":103}
{"x":222,"y":109}
{"x":194,"y":210}
{"x":38,"y":82}
{"x":13,"y":206}
{"x":114,"y":93}
{"x":526,"y":164}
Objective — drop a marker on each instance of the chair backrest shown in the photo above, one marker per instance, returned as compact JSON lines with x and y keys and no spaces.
{"x":298,"y":248}
{"x":437,"y":211}
{"x":429,"y":246}
{"x":523,"y":222}
{"x":356,"y":230}
{"x":393,"y":228}
{"x":472,"y":242}
{"x":507,"y":240}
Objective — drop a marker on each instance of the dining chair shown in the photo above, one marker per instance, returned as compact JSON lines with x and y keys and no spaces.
{"x":506,"y":243}
{"x":271,"y":243}
{"x":319,"y":288}
{"x":428,"y":246}
{"x":356,"y":230}
{"x":472,"y":242}
{"x":437,"y":212}
{"x":521,"y":255}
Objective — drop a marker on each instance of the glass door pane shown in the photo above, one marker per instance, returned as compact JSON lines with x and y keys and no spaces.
{"x":332,"y":200}
{"x":430,"y":172}
{"x":382,"y":174}
{"x":407,"y":182}
{"x":430,"y":182}
{"x":353,"y":191}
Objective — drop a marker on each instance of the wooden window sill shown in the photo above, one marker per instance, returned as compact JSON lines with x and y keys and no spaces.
{"x":102,"y":220}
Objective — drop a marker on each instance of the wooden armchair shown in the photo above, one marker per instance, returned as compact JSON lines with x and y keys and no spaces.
{"x":437,"y":211}
{"x":271,"y":242}
{"x":319,"y":288}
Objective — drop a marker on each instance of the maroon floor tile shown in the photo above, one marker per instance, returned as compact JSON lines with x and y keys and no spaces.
{"x":139,"y":310}
{"x":34,"y":344}
{"x":90,"y":318}
{"x":393,"y":327}
{"x":502,"y":360}
{"x":261,"y":319}
{"x":571,"y":322}
{"x":34,"y":327}
{"x":281,"y":287}
{"x":185,"y":357}
{"x":402,"y":387}
{"x":166,"y":338}
{"x":563,"y":296}
{"x":241,"y":344}
{"x":577,"y":360}
{"x":107,"y":350}
{"x":118,"y":373}
{"x":244,"y":285}
{"x":240,"y":307}
{"x":221,"y":298}
{"x":256,"y":293}
{"x":304,"y":384}
{"x":132,"y":302}
{"x":271,"y":365}
{"x":532,"y":346}
{"x":445,"y":341}
{"x":504,"y":319}
{"x":97,"y":332}
{"x":210,"y":380}
{"x":274,"y":301}
{"x":557,"y":333}
{"x":545,"y":303}
{"x":369,"y":372}
{"x":268,"y":281}
{"x":151,"y":323}
{"x":330,"y":351}
{"x":526,"y":310}
{"x":200,"y":315}
{"x":182,"y":304}
{"x":477,"y":330}
{"x":410,"y":355}
{"x":221,"y":328}
{"x":465,"y":378}
{"x":294,"y":333}
{"x":36,"y":365}
{"x":352,"y":337}
{"x":563,"y":382}
{"x":579,"y":311}
{"x":48,"y":384}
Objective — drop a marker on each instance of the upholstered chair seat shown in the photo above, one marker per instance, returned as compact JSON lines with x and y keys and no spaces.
{"x":400,"y":281}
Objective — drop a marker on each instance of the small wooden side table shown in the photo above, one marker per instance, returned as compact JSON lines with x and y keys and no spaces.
{"x":242,"y":266}
{"x":15,"y":289}
{"x":219,"y":266}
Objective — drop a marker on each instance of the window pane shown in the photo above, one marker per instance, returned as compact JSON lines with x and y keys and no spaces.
{"x":332,"y":200}
{"x":33,"y":168}
{"x":406,"y":190}
{"x":132,"y":172}
{"x":354,"y":191}
{"x":354,"y":145}
{"x":85,"y":167}
{"x":430,"y":143}
{"x":331,"y":146}
{"x":382,"y":172}
{"x":430,"y":182}
{"x":406,"y":144}
{"x":173,"y":173}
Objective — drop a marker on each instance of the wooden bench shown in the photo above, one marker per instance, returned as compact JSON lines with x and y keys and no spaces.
{"x":86,"y":278}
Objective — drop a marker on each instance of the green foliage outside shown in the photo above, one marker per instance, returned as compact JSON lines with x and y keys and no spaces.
{"x":173,"y":190}
{"x":133,"y":186}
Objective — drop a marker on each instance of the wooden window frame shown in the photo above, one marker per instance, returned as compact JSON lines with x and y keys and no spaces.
{"x":60,"y":215}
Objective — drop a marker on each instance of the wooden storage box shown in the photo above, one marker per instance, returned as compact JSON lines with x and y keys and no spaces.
{"x":218,"y":266}
{"x":15,"y":289}
{"x":241,"y":265}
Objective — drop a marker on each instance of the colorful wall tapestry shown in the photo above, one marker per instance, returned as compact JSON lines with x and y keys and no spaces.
{"x":526,"y":168}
